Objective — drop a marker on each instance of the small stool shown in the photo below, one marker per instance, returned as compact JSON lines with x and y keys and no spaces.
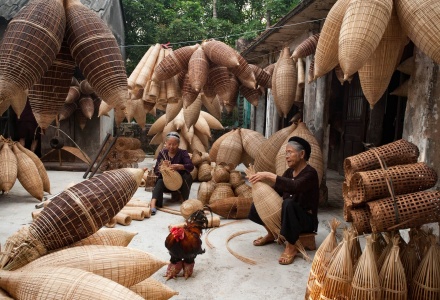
{"x":308,"y":240}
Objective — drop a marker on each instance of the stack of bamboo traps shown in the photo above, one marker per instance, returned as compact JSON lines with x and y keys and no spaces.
{"x":386,"y":189}
{"x":126,"y":152}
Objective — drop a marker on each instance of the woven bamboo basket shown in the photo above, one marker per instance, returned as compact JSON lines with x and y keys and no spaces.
{"x":202,"y":126}
{"x":85,"y":87}
{"x":362,"y":28}
{"x":306,"y":48}
{"x":205,"y":191}
{"x":62,"y":282}
{"x":87,"y":107}
{"x":261,"y":76}
{"x":67,"y":110}
{"x":112,"y":223}
{"x":407,"y":66}
{"x":172,"y":110}
{"x":399,"y":152}
{"x":220,"y":174}
{"x":29,"y":46}
{"x":48,"y":95}
{"x":301,"y":74}
{"x":137,"y":155}
{"x":131,"y":81}
{"x":222,"y":190}
{"x":251,"y":95}
{"x":73,"y":94}
{"x":84,"y":207}
{"x":337,"y":282}
{"x":219,"y":78}
{"x":212,"y":105}
{"x":348,"y":204}
{"x":12,"y":242}
{"x":326,"y":55}
{"x":171,"y":179}
{"x":401,"y":90}
{"x":392,"y":274}
{"x":235,"y":178}
{"x":157,"y":126}
{"x":123,"y":218}
{"x":230,"y":149}
{"x":188,"y":207}
{"x":150,"y":288}
{"x":286,"y":78}
{"x":126,"y":266}
{"x":174,"y":63}
{"x":191,"y":112}
{"x":133,"y":213}
{"x":376,"y":72}
{"x":198,"y":68}
{"x":266,"y":156}
{"x":232,"y":208}
{"x":146,"y":73}
{"x":28,"y":174}
{"x":220,"y":53}
{"x":8,"y":168}
{"x":267,"y":203}
{"x":110,"y":237}
{"x":216,"y":145}
{"x":322,"y":255}
{"x":139,"y":112}
{"x":371,"y":185}
{"x":417,"y":19}
{"x":379,"y":245}
{"x":96,"y":53}
{"x":410,"y":260}
{"x":40,"y":167}
{"x":197,"y":144}
{"x":127,"y":143}
{"x":212,"y":121}
{"x":4,"y":295}
{"x":80,"y":119}
{"x":196,"y":158}
{"x":361,"y":219}
{"x":244,"y":73}
{"x":205,"y":170}
{"x":426,"y":280}
{"x":365,"y":284}
{"x":413,"y":210}
{"x":252,"y":141}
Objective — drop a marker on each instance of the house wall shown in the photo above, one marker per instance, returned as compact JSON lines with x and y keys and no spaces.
{"x":422,"y":124}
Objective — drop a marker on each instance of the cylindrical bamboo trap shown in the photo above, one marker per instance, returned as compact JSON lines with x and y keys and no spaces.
{"x":361,"y":219}
{"x":123,"y":219}
{"x":134,"y":213}
{"x":306,"y":48}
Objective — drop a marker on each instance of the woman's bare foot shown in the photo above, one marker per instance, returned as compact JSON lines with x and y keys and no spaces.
{"x":264,"y":240}
{"x":288,"y":255}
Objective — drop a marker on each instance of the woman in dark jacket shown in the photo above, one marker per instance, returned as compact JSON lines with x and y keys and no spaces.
{"x":178,"y":160}
{"x":299,"y":187}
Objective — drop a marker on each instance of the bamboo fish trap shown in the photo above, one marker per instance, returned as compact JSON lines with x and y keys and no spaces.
{"x":82,"y":208}
{"x":220,"y":53}
{"x":96,"y":53}
{"x":29,"y":46}
{"x":8,"y":168}
{"x":60,"y":283}
{"x":172,"y":179}
{"x":392,"y":275}
{"x":286,"y":77}
{"x":126,"y":266}
{"x":232,"y":207}
{"x":110,"y":237}
{"x":150,"y":288}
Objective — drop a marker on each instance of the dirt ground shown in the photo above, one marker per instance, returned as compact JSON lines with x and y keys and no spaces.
{"x":218,"y":274}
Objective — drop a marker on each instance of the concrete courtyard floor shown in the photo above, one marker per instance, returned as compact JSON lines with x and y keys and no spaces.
{"x":217,"y":274}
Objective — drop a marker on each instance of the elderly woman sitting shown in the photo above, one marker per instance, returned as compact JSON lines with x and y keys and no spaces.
{"x":299,"y":187}
{"x":178,"y":160}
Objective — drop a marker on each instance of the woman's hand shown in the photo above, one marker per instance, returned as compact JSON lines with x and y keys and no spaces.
{"x":177,"y":167}
{"x":262,"y":176}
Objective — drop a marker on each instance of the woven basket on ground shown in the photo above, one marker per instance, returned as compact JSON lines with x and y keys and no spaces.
{"x":127,"y":143}
{"x":286,"y":78}
{"x":82,"y":208}
{"x":426,"y":280}
{"x":252,"y":141}
{"x":337,"y":282}
{"x":188,"y":207}
{"x":362,"y":28}
{"x":194,"y":173}
{"x":399,"y":152}
{"x":371,"y":185}
{"x":48,"y":95}
{"x":306,"y":48}
{"x":413,"y":210}
{"x":266,"y":156}
{"x":40,"y":167}
{"x":235,"y":178}
{"x":392,"y":274}
{"x":171,"y":178}
{"x":110,"y":237}
{"x":354,"y":246}
{"x":76,"y":283}
{"x":205,"y":170}
{"x":29,"y":46}
{"x":417,"y":19}
{"x":220,"y":53}
{"x":375,"y":74}
{"x":222,"y":190}
{"x":205,"y":191}
{"x":216,"y":145}
{"x":230,"y":149}
{"x":326,"y":55}
{"x":379,"y":244}
{"x":96,"y":53}
{"x":174,"y":63}
{"x":126,"y":266}
{"x":27,"y":174}
{"x":196,"y":158}
{"x":150,"y":180}
{"x":323,"y":255}
{"x":8,"y":168}
{"x":243,"y":190}
{"x":365,"y":284}
{"x":150,"y":288}
{"x":232,"y":207}
{"x":220,"y":174}
{"x":361,"y":219}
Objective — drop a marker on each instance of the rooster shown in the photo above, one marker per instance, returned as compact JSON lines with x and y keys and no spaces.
{"x":184,"y":244}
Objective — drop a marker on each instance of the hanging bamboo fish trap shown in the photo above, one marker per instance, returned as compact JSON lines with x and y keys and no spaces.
{"x":191,"y":112}
{"x":216,"y":145}
{"x":220,"y":53}
{"x":286,"y":78}
{"x":306,"y":48}
{"x":252,"y":141}
{"x":198,"y":67}
{"x":244,"y":73}
{"x":261,"y":76}
{"x":174,"y":63}
{"x":230,"y":149}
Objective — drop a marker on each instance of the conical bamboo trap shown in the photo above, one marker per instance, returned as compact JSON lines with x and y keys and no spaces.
{"x":106,"y":236}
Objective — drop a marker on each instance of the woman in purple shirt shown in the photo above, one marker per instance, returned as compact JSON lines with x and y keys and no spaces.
{"x":179,"y":160}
